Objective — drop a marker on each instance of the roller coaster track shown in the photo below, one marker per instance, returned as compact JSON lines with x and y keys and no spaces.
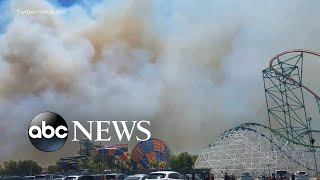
{"x":284,"y":96}
{"x":247,"y":126}
{"x":254,"y":126}
{"x":260,"y":145}
{"x":289,"y":134}
{"x":291,"y":79}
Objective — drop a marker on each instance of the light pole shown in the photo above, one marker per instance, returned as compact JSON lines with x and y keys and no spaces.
{"x":101,"y":164}
{"x":102,"y":158}
{"x":31,"y":169}
{"x":312,"y":143}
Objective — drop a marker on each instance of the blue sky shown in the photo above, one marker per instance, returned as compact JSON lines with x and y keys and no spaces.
{"x":163,"y":7}
{"x":6,"y":14}
{"x":68,"y":3}
{"x":4,"y":18}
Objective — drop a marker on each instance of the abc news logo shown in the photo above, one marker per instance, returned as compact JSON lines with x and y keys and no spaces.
{"x":48,"y":131}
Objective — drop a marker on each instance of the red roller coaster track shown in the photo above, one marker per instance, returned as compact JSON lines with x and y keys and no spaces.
{"x":293,"y":80}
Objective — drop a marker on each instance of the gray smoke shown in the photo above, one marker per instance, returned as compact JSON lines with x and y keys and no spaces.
{"x":191,"y":68}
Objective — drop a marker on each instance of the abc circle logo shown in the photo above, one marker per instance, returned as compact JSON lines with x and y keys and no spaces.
{"x":48,"y":131}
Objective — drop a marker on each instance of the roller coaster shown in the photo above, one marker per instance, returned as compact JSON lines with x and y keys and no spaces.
{"x":288,"y":142}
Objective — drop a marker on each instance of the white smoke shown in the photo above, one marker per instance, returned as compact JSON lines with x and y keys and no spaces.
{"x":192,"y":68}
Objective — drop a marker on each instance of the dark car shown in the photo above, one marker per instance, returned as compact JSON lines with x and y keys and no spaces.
{"x":282,"y":173}
{"x":263,"y":177}
{"x":115,"y":176}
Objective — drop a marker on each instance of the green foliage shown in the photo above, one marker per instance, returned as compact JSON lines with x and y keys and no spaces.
{"x":20,"y":168}
{"x":53,"y":169}
{"x":182,"y":161}
{"x":94,"y":163}
{"x":177,"y":162}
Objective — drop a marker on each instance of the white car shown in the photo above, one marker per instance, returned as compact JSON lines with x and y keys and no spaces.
{"x":165,"y":175}
{"x":301,"y":175}
{"x":30,"y":177}
{"x":136,"y":177}
{"x":47,"y":176}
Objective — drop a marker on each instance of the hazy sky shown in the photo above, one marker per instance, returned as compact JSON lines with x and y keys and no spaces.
{"x":192,"y":68}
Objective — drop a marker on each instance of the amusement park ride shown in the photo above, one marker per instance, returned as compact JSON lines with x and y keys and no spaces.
{"x":288,"y":142}
{"x":143,"y":155}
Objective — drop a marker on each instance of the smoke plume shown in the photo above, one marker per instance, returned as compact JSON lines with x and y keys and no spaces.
{"x":191,"y":68}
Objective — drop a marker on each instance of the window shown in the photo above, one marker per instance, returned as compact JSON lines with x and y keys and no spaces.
{"x":97,"y":177}
{"x":121,"y":177}
{"x":175,"y":176}
{"x":57,"y":176}
{"x":40,"y":177}
{"x":180,"y":176}
{"x":156,"y":176}
{"x":86,"y":178}
{"x":109,"y":177}
{"x":70,"y":178}
{"x":246,"y":174}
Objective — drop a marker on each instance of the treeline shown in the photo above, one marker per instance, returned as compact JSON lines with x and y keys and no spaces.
{"x":20,"y":168}
{"x":95,"y":164}
{"x":182,"y":161}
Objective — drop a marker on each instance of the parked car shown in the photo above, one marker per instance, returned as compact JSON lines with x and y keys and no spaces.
{"x":47,"y":176}
{"x":75,"y":177}
{"x":94,"y":177}
{"x":301,"y":175}
{"x":263,"y":177}
{"x":165,"y":175}
{"x":282,"y":173}
{"x":30,"y":177}
{"x":246,"y":175}
{"x":115,"y":176}
{"x":136,"y":177}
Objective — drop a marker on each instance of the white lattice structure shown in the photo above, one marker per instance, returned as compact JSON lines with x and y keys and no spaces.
{"x":254,"y":148}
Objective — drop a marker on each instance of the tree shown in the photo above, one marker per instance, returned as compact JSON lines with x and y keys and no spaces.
{"x":174,"y":162}
{"x":182,"y":161}
{"x":53,"y":169}
{"x":21,"y":168}
{"x":1,"y":170}
{"x":108,"y":162}
{"x":94,"y":164}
